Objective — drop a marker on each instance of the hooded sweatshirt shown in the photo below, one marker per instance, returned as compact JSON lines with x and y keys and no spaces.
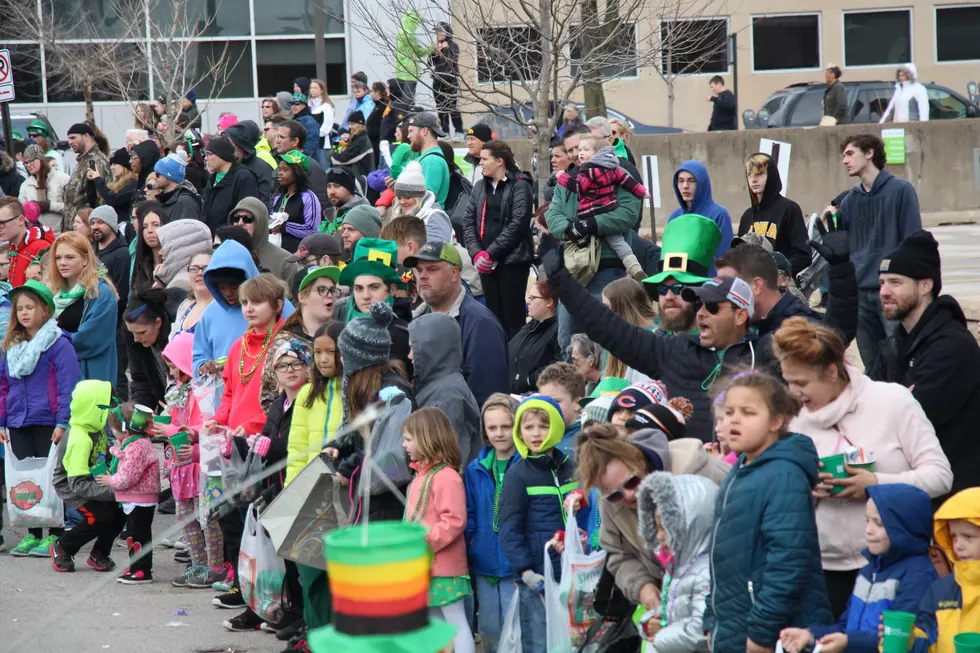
{"x":180,"y":241}
{"x":779,"y":219}
{"x":409,"y":52}
{"x":686,"y":506}
{"x":271,"y":257}
{"x":910,"y":101}
{"x":438,"y":357}
{"x":184,"y":414}
{"x":704,"y":204}
{"x":35,"y":241}
{"x":148,"y":154}
{"x":245,"y":135}
{"x":904,"y":445}
{"x":85,"y":445}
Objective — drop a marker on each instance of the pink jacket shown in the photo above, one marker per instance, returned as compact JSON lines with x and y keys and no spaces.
{"x":185,"y":477}
{"x":445,"y":515}
{"x":886,"y":420}
{"x":137,"y":479}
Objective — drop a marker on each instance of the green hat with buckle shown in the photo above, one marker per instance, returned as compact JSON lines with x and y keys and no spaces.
{"x":688,"y":249}
{"x":373,"y":256}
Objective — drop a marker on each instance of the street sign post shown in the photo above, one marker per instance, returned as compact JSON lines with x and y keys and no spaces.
{"x":6,"y":94}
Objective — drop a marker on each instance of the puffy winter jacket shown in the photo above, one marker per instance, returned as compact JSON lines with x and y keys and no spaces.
{"x":483,"y":496}
{"x":312,"y":426}
{"x":85,"y":444}
{"x":42,"y":397}
{"x":534,"y":348}
{"x":357,"y":157}
{"x":765,"y":552}
{"x":508,"y":241}
{"x":54,"y":192}
{"x":182,"y":202}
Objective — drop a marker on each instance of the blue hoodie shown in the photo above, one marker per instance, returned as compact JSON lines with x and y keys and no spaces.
{"x":704,"y":204}
{"x":896,"y":580}
{"x":221,"y":324}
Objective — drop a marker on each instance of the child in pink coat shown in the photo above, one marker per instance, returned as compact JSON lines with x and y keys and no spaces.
{"x":185,"y":471}
{"x":437,"y":499}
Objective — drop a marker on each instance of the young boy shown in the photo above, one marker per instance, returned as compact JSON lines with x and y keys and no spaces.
{"x":532,"y":510}
{"x":898,"y":572}
{"x":595,"y":185}
{"x":563,"y":383}
{"x":634,"y":399}
{"x":950,"y":606}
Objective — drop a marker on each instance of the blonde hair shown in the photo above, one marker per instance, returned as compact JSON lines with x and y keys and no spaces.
{"x":17,"y":333}
{"x":627,"y":131}
{"x":497,"y":400}
{"x":434,"y":437}
{"x":599,"y":444}
{"x":264,"y":288}
{"x":91,"y":273}
{"x":323,"y":92}
{"x":757,"y":164}
{"x":596,"y":142}
{"x":119,"y":183}
{"x":628,"y":300}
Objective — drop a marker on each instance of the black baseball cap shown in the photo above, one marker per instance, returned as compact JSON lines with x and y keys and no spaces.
{"x":318,"y":245}
{"x":426,"y":120}
{"x":435,"y":250}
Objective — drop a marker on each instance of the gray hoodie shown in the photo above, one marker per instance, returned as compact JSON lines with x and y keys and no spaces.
{"x":438,"y":358}
{"x":271,"y":257}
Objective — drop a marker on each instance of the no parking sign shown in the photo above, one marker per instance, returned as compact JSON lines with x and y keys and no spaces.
{"x":6,"y":77}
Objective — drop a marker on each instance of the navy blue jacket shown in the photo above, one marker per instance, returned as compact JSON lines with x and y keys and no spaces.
{"x":485,"y":359}
{"x":486,"y":556}
{"x":765,"y":551}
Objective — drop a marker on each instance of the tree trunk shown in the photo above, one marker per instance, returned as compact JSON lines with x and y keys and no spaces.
{"x":89,"y":105}
{"x":670,"y":101}
{"x":549,"y":76}
{"x":595,"y":97}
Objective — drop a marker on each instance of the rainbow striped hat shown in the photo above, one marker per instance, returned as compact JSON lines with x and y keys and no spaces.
{"x":380,"y":592}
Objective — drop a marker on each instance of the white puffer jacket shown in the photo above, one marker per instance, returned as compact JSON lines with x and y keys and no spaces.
{"x":55,"y":188}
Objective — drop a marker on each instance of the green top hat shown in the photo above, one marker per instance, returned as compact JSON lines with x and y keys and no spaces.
{"x":372,"y":256}
{"x":37,"y":288}
{"x":688,"y":249}
{"x":379,"y":586}
{"x":611,"y":385}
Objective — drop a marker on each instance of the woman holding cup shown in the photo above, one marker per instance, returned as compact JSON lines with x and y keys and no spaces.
{"x":844,"y":412}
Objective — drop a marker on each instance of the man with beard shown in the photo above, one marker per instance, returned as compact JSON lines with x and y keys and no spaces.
{"x":113,"y":253}
{"x":343,"y":196}
{"x":932,"y":352}
{"x":423,"y":134}
{"x":176,"y":194}
{"x":80,"y":191}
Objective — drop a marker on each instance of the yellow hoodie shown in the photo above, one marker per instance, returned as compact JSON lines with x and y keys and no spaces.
{"x":264,"y":152}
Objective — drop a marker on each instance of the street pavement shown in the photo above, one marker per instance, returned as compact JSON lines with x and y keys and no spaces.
{"x":959,"y":249}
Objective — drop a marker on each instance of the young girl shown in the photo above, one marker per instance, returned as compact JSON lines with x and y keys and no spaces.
{"x":484,"y":482}
{"x":765,"y":552}
{"x":136,"y":483}
{"x":185,"y":471}
{"x":38,"y":371}
{"x":436,"y":499}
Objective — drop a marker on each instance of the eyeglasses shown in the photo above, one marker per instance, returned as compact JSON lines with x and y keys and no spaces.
{"x":244,"y":219}
{"x":309,"y":260}
{"x":676,"y":288}
{"x":4,"y":223}
{"x":293,"y":366}
{"x":629,"y":485}
{"x":194,"y":269}
{"x":323,"y":291}
{"x":531,"y":298}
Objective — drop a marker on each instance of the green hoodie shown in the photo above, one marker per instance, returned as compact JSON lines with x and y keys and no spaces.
{"x":408,"y":51}
{"x":85,"y":444}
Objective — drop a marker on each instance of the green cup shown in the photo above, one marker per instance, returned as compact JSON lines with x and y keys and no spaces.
{"x":141,"y":417}
{"x":899,"y":627}
{"x":834,"y":465}
{"x":967,"y":642}
{"x":99,"y":469}
{"x":162,"y":419}
{"x":179,"y":439}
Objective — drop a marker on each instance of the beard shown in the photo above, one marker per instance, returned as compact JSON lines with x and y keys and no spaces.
{"x":902,"y":308}
{"x":681,"y":322}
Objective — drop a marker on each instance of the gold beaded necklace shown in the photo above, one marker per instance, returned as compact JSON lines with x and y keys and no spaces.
{"x":245,"y":377}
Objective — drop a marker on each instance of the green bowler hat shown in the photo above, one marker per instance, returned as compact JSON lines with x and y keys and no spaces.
{"x":372,"y":256}
{"x":688,"y":249}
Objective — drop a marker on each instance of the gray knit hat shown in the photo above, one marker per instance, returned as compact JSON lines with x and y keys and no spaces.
{"x":365,"y":342}
{"x":366,"y":219}
{"x":411,"y":182}
{"x":105,"y":214}
{"x":33,"y":152}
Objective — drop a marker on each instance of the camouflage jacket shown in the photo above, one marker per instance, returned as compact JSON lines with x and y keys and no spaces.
{"x":80,"y":192}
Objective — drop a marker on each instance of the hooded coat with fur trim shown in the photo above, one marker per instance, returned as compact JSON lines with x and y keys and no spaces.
{"x":10,"y":179}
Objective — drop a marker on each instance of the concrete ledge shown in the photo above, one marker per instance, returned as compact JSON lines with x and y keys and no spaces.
{"x":942,"y":218}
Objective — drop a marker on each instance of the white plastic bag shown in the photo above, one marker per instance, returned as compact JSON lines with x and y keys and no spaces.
{"x":510,"y":634}
{"x":261,"y":571}
{"x":212,"y":465}
{"x":32,"y":501}
{"x":207,"y":390}
{"x":568,"y":606}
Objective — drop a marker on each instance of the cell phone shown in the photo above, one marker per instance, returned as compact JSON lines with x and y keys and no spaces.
{"x":91,"y":166}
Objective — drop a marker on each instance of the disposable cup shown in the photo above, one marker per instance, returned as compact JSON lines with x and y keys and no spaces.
{"x":834,"y":465}
{"x":179,"y":439}
{"x":967,"y":642}
{"x":161,"y":419}
{"x":141,"y":417}
{"x":868,"y":466}
{"x":898,"y":631}
{"x":99,"y":469}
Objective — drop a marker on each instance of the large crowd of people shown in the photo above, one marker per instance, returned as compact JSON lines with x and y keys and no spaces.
{"x":256,"y":291}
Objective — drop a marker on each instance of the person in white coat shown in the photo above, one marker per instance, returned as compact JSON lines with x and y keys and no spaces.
{"x":910,"y":101}
{"x":44,"y":186}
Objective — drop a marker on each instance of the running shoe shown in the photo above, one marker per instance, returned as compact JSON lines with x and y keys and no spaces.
{"x":23,"y":549}
{"x":136,"y":578}
{"x":244,"y":622}
{"x":100,"y":562}
{"x":60,"y":560}
{"x":43,"y":548}
{"x":232,"y":600}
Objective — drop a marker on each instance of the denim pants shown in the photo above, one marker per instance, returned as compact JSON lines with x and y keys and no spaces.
{"x":566,"y":326}
{"x":872,"y":326}
{"x":534,"y":634}
{"x":494,"y":600}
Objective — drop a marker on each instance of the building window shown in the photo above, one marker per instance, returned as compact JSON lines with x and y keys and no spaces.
{"x":94,"y":19}
{"x":200,"y":18}
{"x":26,"y":62}
{"x":621,"y":60}
{"x":506,"y":54}
{"x":956,"y":33}
{"x":131,"y":80}
{"x":877,"y":38}
{"x":296,"y":17}
{"x":280,"y":62}
{"x":691,"y":47}
{"x":786,"y":42}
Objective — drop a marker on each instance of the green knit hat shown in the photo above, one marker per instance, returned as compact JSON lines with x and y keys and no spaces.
{"x":372,"y":256}
{"x":37,"y":288}
{"x":688,"y":249}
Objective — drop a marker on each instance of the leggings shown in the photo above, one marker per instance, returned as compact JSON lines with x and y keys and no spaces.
{"x":199,"y":539}
{"x":455,"y":615}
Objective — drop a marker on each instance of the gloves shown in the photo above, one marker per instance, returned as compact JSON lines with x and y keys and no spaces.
{"x":833,"y":244}
{"x":533,"y":580}
{"x":483,"y":263}
{"x":582,"y":228}
{"x":264,"y":499}
{"x":552,"y":258}
{"x":261,"y":445}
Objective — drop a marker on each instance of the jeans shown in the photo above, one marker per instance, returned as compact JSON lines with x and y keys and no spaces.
{"x":534,"y":634}
{"x":566,"y":326}
{"x":872,"y":326}
{"x":494,"y":601}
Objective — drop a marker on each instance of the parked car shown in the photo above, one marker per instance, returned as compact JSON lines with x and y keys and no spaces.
{"x":801,"y":105}
{"x":19,"y":122}
{"x":506,"y":129}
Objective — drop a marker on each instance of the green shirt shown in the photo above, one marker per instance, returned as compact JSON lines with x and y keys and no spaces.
{"x":218,"y":176}
{"x":436,"y":173}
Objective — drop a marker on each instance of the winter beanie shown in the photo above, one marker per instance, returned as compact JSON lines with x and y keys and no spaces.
{"x":598,"y":409}
{"x":32,"y":211}
{"x":365,"y":342}
{"x":226,"y":121}
{"x":105,"y":214}
{"x":34,"y":152}
{"x":120,"y":157}
{"x":639,"y":396}
{"x":670,"y":418}
{"x":366,"y":219}
{"x":172,"y":166}
{"x":355,"y":118}
{"x":411,"y":182}
{"x":222,"y":147}
{"x":917,"y":257}
{"x":342,"y":178}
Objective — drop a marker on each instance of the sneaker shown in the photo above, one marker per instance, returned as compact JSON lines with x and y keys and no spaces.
{"x":227,"y":582}
{"x":61,"y":561}
{"x":299,"y":646}
{"x":183,"y":557}
{"x":244,"y":622}
{"x":168,"y":543}
{"x":205,"y":579}
{"x":167,"y":507}
{"x":232,"y":600}
{"x":185,"y":578}
{"x":23,"y":549}
{"x":181,"y":544}
{"x":136,"y":578}
{"x":287,"y":633}
{"x":100,"y":562}
{"x":43,"y":548}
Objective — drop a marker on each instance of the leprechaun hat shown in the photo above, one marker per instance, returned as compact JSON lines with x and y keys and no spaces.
{"x":688,"y":249}
{"x":374,"y":256}
{"x":379,"y":585}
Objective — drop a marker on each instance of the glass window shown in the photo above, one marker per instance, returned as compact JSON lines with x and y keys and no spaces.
{"x":786,"y":42}
{"x":280,"y":62}
{"x":202,"y":18}
{"x":621,"y":60}
{"x":129,"y":80}
{"x":26,"y":62}
{"x":871,"y":104}
{"x":877,"y":38}
{"x":772,"y":106}
{"x":296,"y":16}
{"x":694,"y":46}
{"x":95,"y":18}
{"x":956,"y":33}
{"x":200,"y":58}
{"x":943,"y":105}
{"x":808,"y":111}
{"x":508,"y":53}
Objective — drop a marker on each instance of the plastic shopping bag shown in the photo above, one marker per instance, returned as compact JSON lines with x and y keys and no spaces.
{"x":207,"y":390}
{"x":32,"y":501}
{"x":569,"y":606}
{"x":212,"y":465}
{"x":510,"y":634}
{"x":246,"y":468}
{"x":261,"y":571}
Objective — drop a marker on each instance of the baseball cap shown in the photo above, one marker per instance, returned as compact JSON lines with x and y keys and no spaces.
{"x":783,"y":264}
{"x":426,"y":120}
{"x":314,"y":273}
{"x":752,"y":238}
{"x":435,"y":250}
{"x":298,"y":98}
{"x":722,"y":289}
{"x":317,"y":245}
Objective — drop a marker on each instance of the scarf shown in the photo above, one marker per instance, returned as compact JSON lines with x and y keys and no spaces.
{"x":176,"y":395}
{"x":65,"y":299}
{"x":353,"y":313}
{"x":23,"y":357}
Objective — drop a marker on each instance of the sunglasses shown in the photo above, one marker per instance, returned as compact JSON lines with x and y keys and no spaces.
{"x":676,"y":288}
{"x":244,"y":219}
{"x":629,"y":485}
{"x":294,"y":366}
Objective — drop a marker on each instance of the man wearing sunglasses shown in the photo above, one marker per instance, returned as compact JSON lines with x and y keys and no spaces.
{"x":253,"y":216}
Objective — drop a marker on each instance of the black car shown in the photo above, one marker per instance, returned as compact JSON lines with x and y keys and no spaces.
{"x":801,"y":105}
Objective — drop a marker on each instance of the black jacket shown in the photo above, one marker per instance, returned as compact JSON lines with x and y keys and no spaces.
{"x":938,"y":361}
{"x":182,"y":202}
{"x":780,"y":220}
{"x":146,"y":368}
{"x":10,"y":179}
{"x":318,"y":183}
{"x":647,"y":253}
{"x":221,"y":197}
{"x":196,"y":175}
{"x":507,"y":241}
{"x":264,"y":176}
{"x":723,"y":112}
{"x":373,"y":124}
{"x":122,"y":201}
{"x":116,"y":260}
{"x":533,"y":348}
{"x":278,"y":421}
{"x":357,"y":157}
{"x":835,"y":103}
{"x":445,"y":63}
